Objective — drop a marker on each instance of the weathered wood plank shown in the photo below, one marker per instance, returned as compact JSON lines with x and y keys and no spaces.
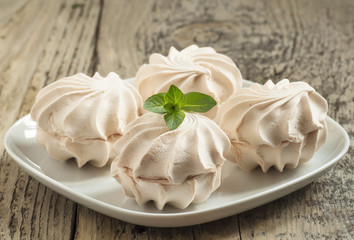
{"x":117,"y":48}
{"x":63,"y":44}
{"x":18,"y":41}
{"x":20,"y":45}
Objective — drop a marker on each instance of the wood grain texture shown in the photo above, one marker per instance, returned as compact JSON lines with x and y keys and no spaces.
{"x":41,"y":41}
{"x":60,"y":42}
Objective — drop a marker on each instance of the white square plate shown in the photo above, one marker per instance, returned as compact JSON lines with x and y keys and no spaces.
{"x":96,"y":189}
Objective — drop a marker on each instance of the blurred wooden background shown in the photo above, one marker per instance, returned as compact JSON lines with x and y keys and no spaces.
{"x":42,"y":41}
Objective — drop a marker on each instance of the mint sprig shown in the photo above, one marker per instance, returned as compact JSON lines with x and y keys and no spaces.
{"x":173,"y":103}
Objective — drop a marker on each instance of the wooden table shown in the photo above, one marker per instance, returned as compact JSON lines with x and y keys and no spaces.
{"x":42,"y":41}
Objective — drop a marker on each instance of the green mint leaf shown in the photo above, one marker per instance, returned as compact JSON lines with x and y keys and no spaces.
{"x":175,"y":96}
{"x":155,"y":103}
{"x":169,"y":107}
{"x":198,"y":102}
{"x":174,"y":119}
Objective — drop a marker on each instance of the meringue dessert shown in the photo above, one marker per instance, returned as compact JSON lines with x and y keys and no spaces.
{"x":193,"y":69}
{"x":82,"y":117}
{"x":176,"y":167}
{"x":170,"y":155}
{"x":276,"y":125}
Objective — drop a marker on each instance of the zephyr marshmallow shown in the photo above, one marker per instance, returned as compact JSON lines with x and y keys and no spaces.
{"x":276,"y":125}
{"x":176,"y":167}
{"x":193,"y":69}
{"x":82,"y":117}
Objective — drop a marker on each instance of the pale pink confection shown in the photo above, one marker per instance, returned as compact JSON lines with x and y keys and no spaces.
{"x":176,"y":167}
{"x":82,"y":117}
{"x":274,"y":125}
{"x":193,"y":69}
